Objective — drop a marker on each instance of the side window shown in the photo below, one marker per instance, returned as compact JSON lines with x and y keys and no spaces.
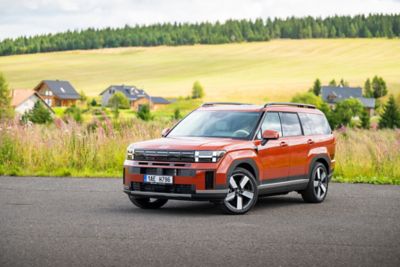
{"x":320,"y":124}
{"x":290,"y":124}
{"x":272,"y":122}
{"x":307,"y":123}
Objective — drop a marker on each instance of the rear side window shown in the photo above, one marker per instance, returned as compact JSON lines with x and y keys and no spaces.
{"x":314,"y":124}
{"x":290,"y":124}
{"x":272,"y":122}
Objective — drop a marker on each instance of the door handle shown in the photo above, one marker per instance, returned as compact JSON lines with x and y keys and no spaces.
{"x":283,"y":144}
{"x":310,"y":141}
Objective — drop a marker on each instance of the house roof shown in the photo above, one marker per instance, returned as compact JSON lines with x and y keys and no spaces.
{"x":62,"y":89}
{"x":159,"y":100}
{"x":367,"y":102}
{"x":130,"y":91}
{"x":339,"y":93}
{"x":19,"y":96}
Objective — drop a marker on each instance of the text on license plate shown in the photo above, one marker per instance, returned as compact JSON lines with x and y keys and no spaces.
{"x":158,"y":179}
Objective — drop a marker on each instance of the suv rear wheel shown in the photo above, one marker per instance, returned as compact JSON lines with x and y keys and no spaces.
{"x":148,"y":203}
{"x":317,"y":188}
{"x":243,"y":192}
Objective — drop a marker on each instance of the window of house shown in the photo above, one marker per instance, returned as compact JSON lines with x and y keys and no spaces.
{"x":290,"y":124}
{"x":62,"y":89}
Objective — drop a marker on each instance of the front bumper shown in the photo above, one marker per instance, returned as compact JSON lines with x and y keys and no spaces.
{"x":213,"y":194}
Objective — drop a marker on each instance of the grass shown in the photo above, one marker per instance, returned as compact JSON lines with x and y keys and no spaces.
{"x":98,"y":150}
{"x":248,"y":72}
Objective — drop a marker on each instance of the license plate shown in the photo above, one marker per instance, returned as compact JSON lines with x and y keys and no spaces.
{"x":158,"y":179}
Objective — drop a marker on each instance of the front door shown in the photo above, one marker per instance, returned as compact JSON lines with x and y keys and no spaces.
{"x":275,"y":154}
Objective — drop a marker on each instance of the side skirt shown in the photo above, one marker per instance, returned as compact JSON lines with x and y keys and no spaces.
{"x":283,"y":185}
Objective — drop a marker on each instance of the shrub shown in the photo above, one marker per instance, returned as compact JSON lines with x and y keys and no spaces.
{"x":144,"y":113}
{"x":73,"y":112}
{"x":38,"y":114}
{"x":197,"y":90}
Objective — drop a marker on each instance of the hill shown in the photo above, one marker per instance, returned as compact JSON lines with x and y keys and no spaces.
{"x":250,"y":72}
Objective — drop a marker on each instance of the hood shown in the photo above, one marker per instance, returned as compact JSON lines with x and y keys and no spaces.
{"x":193,"y":143}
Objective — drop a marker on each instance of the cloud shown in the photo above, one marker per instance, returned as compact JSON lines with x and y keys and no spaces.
{"x":30,"y":17}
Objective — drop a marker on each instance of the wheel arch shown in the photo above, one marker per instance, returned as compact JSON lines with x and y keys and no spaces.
{"x":321,"y":158}
{"x":247,"y":164}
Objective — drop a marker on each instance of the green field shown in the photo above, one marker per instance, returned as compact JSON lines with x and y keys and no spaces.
{"x":248,"y":72}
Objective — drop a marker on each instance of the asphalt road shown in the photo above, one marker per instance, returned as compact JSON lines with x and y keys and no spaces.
{"x":82,"y":222}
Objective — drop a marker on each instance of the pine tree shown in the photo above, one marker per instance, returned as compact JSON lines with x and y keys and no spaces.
{"x":365,"y":119}
{"x":391,"y":115}
{"x":367,"y":89}
{"x":6,"y":110}
{"x":379,"y":87}
{"x":39,"y":114}
{"x":316,"y":89}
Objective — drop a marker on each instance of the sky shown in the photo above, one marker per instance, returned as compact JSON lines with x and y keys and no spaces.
{"x":31,"y":17}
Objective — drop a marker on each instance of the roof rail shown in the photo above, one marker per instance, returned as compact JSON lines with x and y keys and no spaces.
{"x":221,"y":103}
{"x":300,"y":105}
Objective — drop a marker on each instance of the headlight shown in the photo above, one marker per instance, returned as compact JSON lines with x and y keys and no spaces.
{"x":130,"y":154}
{"x":208,"y":156}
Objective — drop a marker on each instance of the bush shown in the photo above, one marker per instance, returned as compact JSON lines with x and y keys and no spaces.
{"x":144,"y":113}
{"x":197,"y":90}
{"x":38,"y":114}
{"x":73,"y":112}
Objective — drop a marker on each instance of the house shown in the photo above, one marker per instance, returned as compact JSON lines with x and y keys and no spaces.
{"x":57,"y":93}
{"x":137,"y":97}
{"x":335,"y":94}
{"x":23,"y":100}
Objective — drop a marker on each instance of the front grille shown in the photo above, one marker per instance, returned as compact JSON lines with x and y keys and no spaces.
{"x":176,"y":188}
{"x":163,"y":171}
{"x":164,"y":155}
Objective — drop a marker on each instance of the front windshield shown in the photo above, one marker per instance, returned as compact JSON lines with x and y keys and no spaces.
{"x":222,"y":124}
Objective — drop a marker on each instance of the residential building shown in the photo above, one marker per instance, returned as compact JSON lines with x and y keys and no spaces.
{"x":23,"y":100}
{"x":57,"y":93}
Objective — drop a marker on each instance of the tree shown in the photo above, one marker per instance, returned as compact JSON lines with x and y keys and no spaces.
{"x":343,"y":83}
{"x":144,"y":113}
{"x":347,"y":109}
{"x":83,"y":97}
{"x":391,"y":115}
{"x":38,"y":114}
{"x":117,"y":101}
{"x":307,"y":98}
{"x":333,"y":83}
{"x":365,"y":119}
{"x":6,"y":110}
{"x":197,"y":90}
{"x":379,"y":87}
{"x":367,"y":89}
{"x":93,"y":103}
{"x":316,"y":89}
{"x":177,"y":114}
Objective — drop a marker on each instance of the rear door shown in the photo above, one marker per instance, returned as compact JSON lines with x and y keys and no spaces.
{"x":274,"y":155}
{"x":297,"y":143}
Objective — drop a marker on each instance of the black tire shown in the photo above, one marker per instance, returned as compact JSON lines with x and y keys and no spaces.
{"x":148,"y":203}
{"x":246,"y":189}
{"x":317,"y":188}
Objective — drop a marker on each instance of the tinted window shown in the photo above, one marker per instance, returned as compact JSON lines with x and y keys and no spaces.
{"x":290,"y":124}
{"x":314,"y":124}
{"x":223,"y":124}
{"x":307,"y":123}
{"x":272,"y":122}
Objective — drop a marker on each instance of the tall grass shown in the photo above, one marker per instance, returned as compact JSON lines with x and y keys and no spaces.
{"x":98,"y":149}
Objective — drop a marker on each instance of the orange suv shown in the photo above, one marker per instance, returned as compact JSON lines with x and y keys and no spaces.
{"x":231,"y":154}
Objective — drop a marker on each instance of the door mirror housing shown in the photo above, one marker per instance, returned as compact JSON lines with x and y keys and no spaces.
{"x":165,"y":132}
{"x":269,"y":135}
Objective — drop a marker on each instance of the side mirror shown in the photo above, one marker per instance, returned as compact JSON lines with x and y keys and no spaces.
{"x":165,"y":132}
{"x":269,"y":135}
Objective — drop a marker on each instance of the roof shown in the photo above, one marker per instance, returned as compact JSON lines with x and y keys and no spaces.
{"x":19,"y":96}
{"x":159,"y":100}
{"x":367,"y":102}
{"x":339,"y":93}
{"x":62,"y":89}
{"x":130,"y":91}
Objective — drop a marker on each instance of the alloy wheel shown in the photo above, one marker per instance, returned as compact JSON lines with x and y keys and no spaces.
{"x":320,"y":182}
{"x":241,"y":192}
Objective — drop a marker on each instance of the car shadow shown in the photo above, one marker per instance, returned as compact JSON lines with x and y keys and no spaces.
{"x":202,"y":208}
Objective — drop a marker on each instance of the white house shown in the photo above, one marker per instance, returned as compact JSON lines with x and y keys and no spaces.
{"x":23,"y":100}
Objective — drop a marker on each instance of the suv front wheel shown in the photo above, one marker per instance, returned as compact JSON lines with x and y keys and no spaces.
{"x":243,"y":193}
